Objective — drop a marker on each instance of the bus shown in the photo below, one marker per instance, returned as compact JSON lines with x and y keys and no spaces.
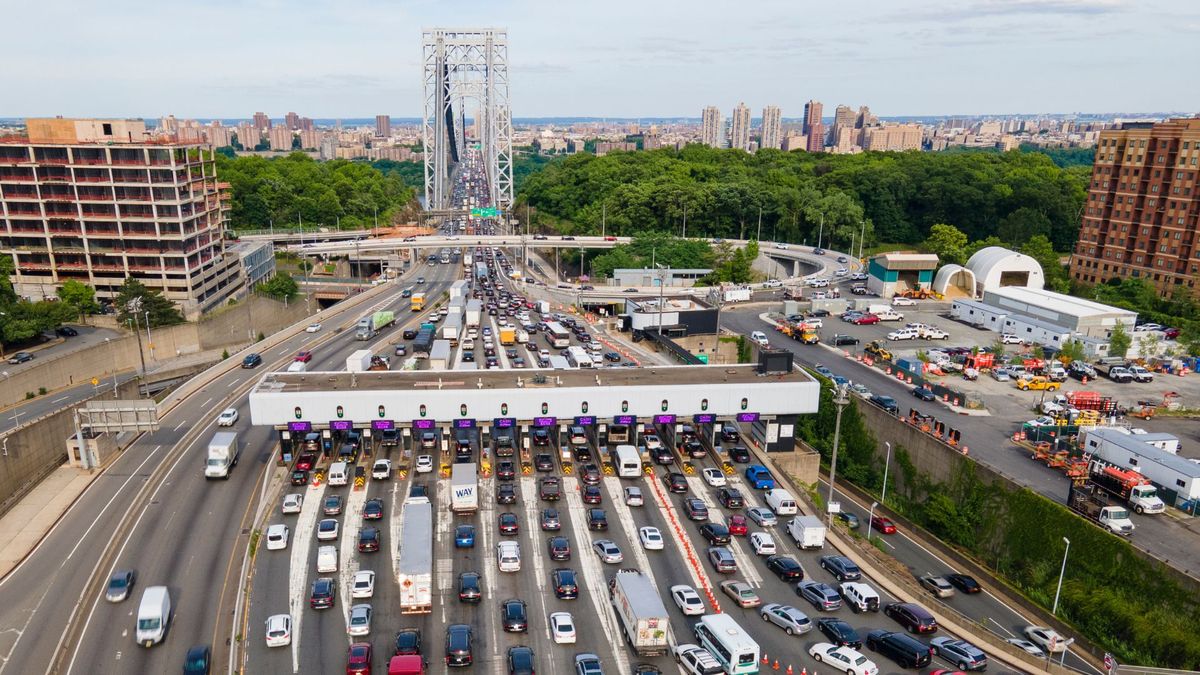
{"x":578,"y":357}
{"x":445,"y":257}
{"x":724,"y":638}
{"x":629,"y":463}
{"x":558,"y":336}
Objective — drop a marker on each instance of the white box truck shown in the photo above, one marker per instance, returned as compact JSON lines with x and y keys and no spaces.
{"x":223,"y":453}
{"x":641,"y":612}
{"x":474,"y":309}
{"x":154,"y":615}
{"x":464,"y":488}
{"x":327,"y":559}
{"x":416,"y":557}
{"x":359,"y":361}
{"x":807,"y":531}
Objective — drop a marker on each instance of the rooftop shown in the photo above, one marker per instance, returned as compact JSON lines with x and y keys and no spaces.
{"x":907,"y":261}
{"x":1140,"y":444}
{"x":649,"y":304}
{"x":1058,"y":302}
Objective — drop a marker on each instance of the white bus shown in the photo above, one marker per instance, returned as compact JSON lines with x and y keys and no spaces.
{"x":629,"y":463}
{"x":578,"y":357}
{"x":735,"y":650}
{"x":558,"y":336}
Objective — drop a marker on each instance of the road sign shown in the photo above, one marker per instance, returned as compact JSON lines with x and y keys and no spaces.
{"x":485,"y":212}
{"x":95,"y":381}
{"x":1110,"y":663}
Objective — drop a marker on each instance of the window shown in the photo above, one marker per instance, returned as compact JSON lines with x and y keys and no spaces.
{"x":107,"y":129}
{"x":1179,"y":483}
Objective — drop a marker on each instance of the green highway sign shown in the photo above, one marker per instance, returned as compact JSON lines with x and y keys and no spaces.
{"x":488,"y":212}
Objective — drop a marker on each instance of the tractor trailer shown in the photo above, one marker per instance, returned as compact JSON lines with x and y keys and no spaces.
{"x":416,"y":557}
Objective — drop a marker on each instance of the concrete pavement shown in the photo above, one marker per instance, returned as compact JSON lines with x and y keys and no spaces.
{"x":31,"y":518}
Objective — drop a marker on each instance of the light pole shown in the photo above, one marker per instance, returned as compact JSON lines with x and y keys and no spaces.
{"x":886,"y":463}
{"x":1061,"y":572}
{"x":862,"y":238}
{"x":821,"y":231}
{"x":870,"y":519}
{"x":108,"y":341}
{"x":759,"y":237}
{"x":133,"y":307}
{"x":839,"y":400}
{"x":662,"y":280}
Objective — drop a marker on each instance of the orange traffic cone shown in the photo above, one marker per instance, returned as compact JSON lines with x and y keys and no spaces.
{"x":789,"y":669}
{"x":776,"y":666}
{"x":765,"y":660}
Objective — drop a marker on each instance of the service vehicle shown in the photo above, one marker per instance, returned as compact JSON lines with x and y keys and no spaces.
{"x":153,"y":615}
{"x":223,"y":453}
{"x":464,"y":487}
{"x":1098,"y":506}
{"x":807,"y":531}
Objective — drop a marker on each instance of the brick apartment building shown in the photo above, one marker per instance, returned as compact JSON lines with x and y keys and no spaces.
{"x":99,"y":201}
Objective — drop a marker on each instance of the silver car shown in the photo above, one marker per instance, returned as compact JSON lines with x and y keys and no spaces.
{"x":762,"y":516}
{"x":790,"y":619}
{"x":119,"y":585}
{"x":360,"y":620}
{"x":608,"y":551}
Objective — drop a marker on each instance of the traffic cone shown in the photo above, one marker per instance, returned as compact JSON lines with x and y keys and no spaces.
{"x":765,"y":660}
{"x":789,"y":669}
{"x":776,"y":666}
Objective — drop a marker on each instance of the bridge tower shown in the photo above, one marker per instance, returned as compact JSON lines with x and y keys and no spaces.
{"x":461,"y":65}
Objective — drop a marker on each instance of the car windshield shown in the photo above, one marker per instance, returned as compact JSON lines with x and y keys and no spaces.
{"x":117,"y":582}
{"x":149,"y":624}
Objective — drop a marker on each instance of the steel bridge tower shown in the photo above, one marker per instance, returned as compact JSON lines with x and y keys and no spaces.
{"x":460,"y":65}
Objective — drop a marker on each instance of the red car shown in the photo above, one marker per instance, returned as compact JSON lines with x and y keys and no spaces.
{"x":305,"y":462}
{"x":865,"y":319}
{"x":883,"y":524}
{"x":737,"y":526}
{"x":304,"y":357}
{"x":610,"y":238}
{"x":358,"y":659}
{"x":1171,"y":333}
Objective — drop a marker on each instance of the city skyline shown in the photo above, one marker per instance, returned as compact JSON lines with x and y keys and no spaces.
{"x":901,"y":61}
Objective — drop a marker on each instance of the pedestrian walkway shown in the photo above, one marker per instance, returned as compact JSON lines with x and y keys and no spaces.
{"x":32,"y":517}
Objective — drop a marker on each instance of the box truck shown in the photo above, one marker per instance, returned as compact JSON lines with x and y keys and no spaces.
{"x":417,"y":302}
{"x":508,"y":335}
{"x":416,"y":557}
{"x":807,"y":531}
{"x":223,"y":453}
{"x":464,"y":488}
{"x":359,"y":361}
{"x":641,"y":612}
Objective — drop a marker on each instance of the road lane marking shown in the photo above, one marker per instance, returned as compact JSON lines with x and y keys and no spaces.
{"x":116,"y":494}
{"x":306,"y":522}
{"x":625,"y":515}
{"x":205,"y":404}
{"x":180,"y":425}
{"x":745,"y":562}
{"x":352,"y":508}
{"x":60,"y":398}
{"x":530,"y":499}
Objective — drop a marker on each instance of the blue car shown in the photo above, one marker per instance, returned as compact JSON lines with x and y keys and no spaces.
{"x":464,"y":536}
{"x":760,"y":477}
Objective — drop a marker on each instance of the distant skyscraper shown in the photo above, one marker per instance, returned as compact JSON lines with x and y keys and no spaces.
{"x":813,"y":127}
{"x":281,"y":138}
{"x":219,"y":136}
{"x":739,"y":132}
{"x":262,"y":121}
{"x":892,"y":138}
{"x":292,"y":121}
{"x":383,"y":126}
{"x":711,"y":131}
{"x":843,"y":118}
{"x":771,"y":128}
{"x":248,"y":135}
{"x":306,"y":124}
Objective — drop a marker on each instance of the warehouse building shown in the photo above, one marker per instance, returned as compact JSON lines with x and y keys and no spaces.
{"x":891,"y":274}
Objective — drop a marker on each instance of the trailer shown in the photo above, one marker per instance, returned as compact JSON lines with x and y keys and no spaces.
{"x":508,"y":335}
{"x":458,"y":289}
{"x":359,"y":361}
{"x":1095,"y":504}
{"x":417,"y":302}
{"x":640,"y":609}
{"x":481,"y":271}
{"x":423,"y":343}
{"x":439,"y":355}
{"x":369,"y":326}
{"x":223,"y":453}
{"x":1152,"y":455}
{"x":452,"y":328}
{"x":416,"y":557}
{"x":464,"y":488}
{"x":1131,"y":487}
{"x":474,"y":310}
{"x":735,"y":294}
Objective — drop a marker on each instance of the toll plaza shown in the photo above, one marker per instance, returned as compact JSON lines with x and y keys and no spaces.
{"x":515,"y":421}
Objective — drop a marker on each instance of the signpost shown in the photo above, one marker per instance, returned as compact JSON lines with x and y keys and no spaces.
{"x":485,"y":212}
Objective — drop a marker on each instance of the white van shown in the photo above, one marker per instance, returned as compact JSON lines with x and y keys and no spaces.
{"x":629,"y":463}
{"x":759,"y":337}
{"x":508,"y":556}
{"x":339,"y":473}
{"x":781,"y":502}
{"x":154,"y":615}
{"x":297,"y":367}
{"x":327,"y":559}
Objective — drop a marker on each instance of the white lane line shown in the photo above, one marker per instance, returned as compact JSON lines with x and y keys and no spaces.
{"x":394,"y":527}
{"x":682,"y":544}
{"x":625,"y":515}
{"x":302,"y":534}
{"x":205,"y":404}
{"x":348,"y":539}
{"x":529,"y":499}
{"x":107,"y":504}
{"x":484,"y":534}
{"x":60,"y":398}
{"x":442,"y":524}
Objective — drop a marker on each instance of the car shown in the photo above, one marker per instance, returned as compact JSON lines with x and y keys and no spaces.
{"x":906,"y":651}
{"x":565,"y":585}
{"x":760,"y":477}
{"x":508,"y":523}
{"x":358,"y":658}
{"x":550,"y":520}
{"x":722,"y":559}
{"x":739,"y":454}
{"x":845,"y":659}
{"x":1048,"y":639}
{"x":550,"y":488}
{"x":883,"y":524}
{"x":742,"y":593}
{"x":687,"y":600}
{"x":1027,"y":646}
{"x":737,"y":526}
{"x":1001,"y":375}
{"x":514,"y":616}
{"x":277,"y":537}
{"x":363,"y":585}
{"x":543,"y":462}
{"x":597,"y":519}
{"x":630,"y":290}
{"x":714,"y":477}
{"x":822,"y":596}
{"x":520,"y":660}
{"x":959,"y":652}
{"x":695,"y":509}
{"x":407,"y":642}
{"x":914,"y":618}
{"x":651,"y":538}
{"x":368,"y":540}
{"x":731,"y":498}
{"x":120,"y":583}
{"x":299,"y":477}
{"x":327,"y":529}
{"x":715,"y":533}
{"x":901,"y":301}
{"x":312,"y":328}
{"x":279,"y":630}
{"x":839,"y":340}
{"x":416,"y":490}
{"x":464,"y":536}
{"x":323,"y":594}
{"x":250,"y":360}
{"x":562,"y":628}
{"x":458,"y":645}
{"x":675,"y":482}
{"x":359,"y":622}
{"x":373,"y":509}
{"x":332,"y":505}
{"x":66,"y":331}
{"x":849,"y":519}
{"x":381,"y":469}
{"x":841,"y":567}
{"x":409,"y":334}
{"x":762,"y":543}
{"x":785,"y":567}
{"x":588,"y":664}
{"x":591,"y":494}
{"x":303,"y":357}
{"x":790,"y":619}
{"x":764,"y":517}
{"x":839,"y":632}
{"x":506,"y":493}
{"x":1010,"y":339}
{"x":559,"y":548}
{"x":936,"y":585}
{"x":633,"y":496}
{"x":608,"y":551}
{"x":227,"y":417}
{"x":964,"y":583}
{"x":197,"y":661}
{"x":420,"y":280}
{"x":590,"y":474}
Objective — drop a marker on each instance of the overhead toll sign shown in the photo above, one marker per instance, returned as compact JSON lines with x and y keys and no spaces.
{"x":424,"y":424}
{"x":627,"y":420}
{"x":586,"y":420}
{"x":504,"y":422}
{"x":544,"y":421}
{"x":464,"y":424}
{"x":747,"y":417}
{"x":383,"y":425}
{"x":341,"y":425}
{"x":300,"y":427}
{"x":704,"y":418}
{"x":664,"y":419}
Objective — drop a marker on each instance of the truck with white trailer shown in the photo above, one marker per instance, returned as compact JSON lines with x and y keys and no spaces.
{"x":464,"y":488}
{"x":416,"y":557}
{"x":359,"y":361}
{"x":370,"y":325}
{"x":223,"y":453}
{"x":640,"y":610}
{"x":735,"y":294}
{"x":474,"y":310}
{"x":439,"y":355}
{"x":452,"y":328}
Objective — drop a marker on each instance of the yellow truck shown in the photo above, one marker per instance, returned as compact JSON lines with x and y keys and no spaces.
{"x":807,"y":335}
{"x":417,"y":301}
{"x":508,"y":335}
{"x":1037,"y":382}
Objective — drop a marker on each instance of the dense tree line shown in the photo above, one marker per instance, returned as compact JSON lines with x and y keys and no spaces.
{"x":798,"y":196}
{"x":283,"y":190}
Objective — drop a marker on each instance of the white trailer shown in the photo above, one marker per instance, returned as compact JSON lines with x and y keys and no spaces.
{"x":439,"y":356}
{"x":223,"y":453}
{"x":641,"y":612}
{"x":464,"y":488}
{"x":1150,"y":455}
{"x":452,"y":328}
{"x":359,"y":361}
{"x":735,"y":294}
{"x":474,"y":309}
{"x":416,"y":557}
{"x":458,"y":289}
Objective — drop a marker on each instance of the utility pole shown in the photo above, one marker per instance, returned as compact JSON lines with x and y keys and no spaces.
{"x":821,"y":232}
{"x":685,"y":221}
{"x":839,"y":400}
{"x":862,"y":239}
{"x":141,"y":356}
{"x":661,"y":283}
{"x":603,"y":212}
{"x":759,"y":237}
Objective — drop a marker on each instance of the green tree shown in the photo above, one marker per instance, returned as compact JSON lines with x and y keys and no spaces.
{"x":281,"y":286}
{"x":1039,"y":248}
{"x":79,"y":296}
{"x":948,"y":242}
{"x":1119,"y":341}
{"x":1073,"y":350}
{"x":980,"y":244}
{"x":135,"y":294}
{"x":7,"y":269}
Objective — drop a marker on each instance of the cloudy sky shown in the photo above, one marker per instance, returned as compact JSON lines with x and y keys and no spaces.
{"x":617,"y":58}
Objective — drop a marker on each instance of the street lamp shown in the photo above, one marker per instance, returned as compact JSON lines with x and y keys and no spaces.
{"x":870,"y":519}
{"x":840,"y":401}
{"x":1061,"y":572}
{"x":886,"y":463}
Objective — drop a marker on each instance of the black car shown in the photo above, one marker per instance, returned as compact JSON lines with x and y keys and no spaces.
{"x":739,"y":454}
{"x":906,"y":651}
{"x":731,"y":498}
{"x":508,"y":523}
{"x":565,"y":585}
{"x":543,"y":462}
{"x":590,"y":475}
{"x":550,"y":520}
{"x":408,"y":641}
{"x":299,"y":477}
{"x":839,"y":633}
{"x":468,"y":587}
{"x":516,"y":619}
{"x":715,"y":533}
{"x":914,"y":618}
{"x":66,"y":331}
{"x":541,"y":436}
{"x":785,"y":567}
{"x":368,"y":540}
{"x":840,"y":340}
{"x":505,"y":469}
{"x":695,"y":509}
{"x":559,"y":548}
{"x":252,"y":361}
{"x":506,"y":493}
{"x":646,"y":669}
{"x":663,"y":455}
{"x":963,"y":582}
{"x":841,"y":567}
{"x":373,"y":509}
{"x":458,"y":645}
{"x":924,"y":394}
{"x":887,"y":403}
{"x":613,"y":357}
{"x":416,"y":490}
{"x":520,"y":660}
{"x":409,"y":334}
{"x":550,"y":489}
{"x":197,"y":660}
{"x":591,"y":494}
{"x":693,"y":448}
{"x":597,"y":520}
{"x":675,"y":482}
{"x":324,"y":593}
{"x":729,"y":433}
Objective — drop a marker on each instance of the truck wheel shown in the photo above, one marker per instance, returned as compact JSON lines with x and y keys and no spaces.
{"x":1139,"y":509}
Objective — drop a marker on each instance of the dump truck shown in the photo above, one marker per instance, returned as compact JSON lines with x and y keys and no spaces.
{"x":416,"y":557}
{"x":1127,"y":485}
{"x":464,"y":488}
{"x":223,"y":453}
{"x":1093,"y":503}
{"x":641,"y":612}
{"x":369,"y":326}
{"x":359,"y":361}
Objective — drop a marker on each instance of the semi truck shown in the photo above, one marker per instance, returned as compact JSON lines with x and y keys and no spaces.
{"x":417,"y":302}
{"x":464,"y":488}
{"x":416,"y":557}
{"x":1093,"y":503}
{"x":423,"y":343}
{"x":641,"y":612}
{"x":223,"y":453}
{"x":359,"y":361}
{"x":369,"y":326}
{"x":1127,"y":485}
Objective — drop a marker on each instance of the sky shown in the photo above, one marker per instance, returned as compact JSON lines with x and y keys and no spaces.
{"x":603,"y":58}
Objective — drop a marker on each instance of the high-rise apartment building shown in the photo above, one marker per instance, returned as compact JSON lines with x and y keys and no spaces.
{"x":814,"y":128}
{"x":712,"y":131}
{"x":280,"y":138}
{"x":291,"y":121}
{"x":310,"y":140}
{"x":1142,"y":215}
{"x":219,"y":136}
{"x":772,"y":128}
{"x":892,"y":137}
{"x":739,"y":130}
{"x":99,"y":201}
{"x":843,"y":118}
{"x":383,"y":126}
{"x":262,"y":121}
{"x":249,"y":136}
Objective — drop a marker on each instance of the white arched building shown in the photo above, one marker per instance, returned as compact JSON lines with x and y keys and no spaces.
{"x":989,"y":269}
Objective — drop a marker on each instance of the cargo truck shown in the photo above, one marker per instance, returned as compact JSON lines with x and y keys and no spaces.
{"x":1093,"y":503}
{"x":481,"y":271}
{"x":1127,"y":485}
{"x":807,"y":531}
{"x":369,"y":326}
{"x":359,"y":361}
{"x":474,"y":309}
{"x":423,"y":343}
{"x":464,"y":488}
{"x":452,"y":328}
{"x":641,"y":612}
{"x":416,"y":557}
{"x":417,"y":302}
{"x":508,"y":335}
{"x":223,"y":453}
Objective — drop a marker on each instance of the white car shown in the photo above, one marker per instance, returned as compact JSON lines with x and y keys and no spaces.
{"x":360,"y":620}
{"x":651,"y":441}
{"x":781,"y":246}
{"x":1047,"y":638}
{"x":818,"y":283}
{"x":424,"y":463}
{"x":1029,"y":647}
{"x":327,"y":529}
{"x":227,"y":417}
{"x":381,"y":469}
{"x":313,"y":328}
{"x":772,"y":283}
{"x":562,"y":627}
{"x":899,"y":301}
{"x":1010,"y":339}
{"x":1148,"y":326}
{"x":813,"y":322}
{"x":363,"y":585}
{"x":845,"y":659}
{"x":652,"y":539}
{"x":277,"y":537}
{"x":608,"y":551}
{"x":841,"y":272}
{"x":861,"y":276}
{"x":687,"y":599}
{"x":714,"y":477}
{"x":762,"y":543}
{"x":292,"y":503}
{"x":279,"y":630}
{"x":903,"y":334}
